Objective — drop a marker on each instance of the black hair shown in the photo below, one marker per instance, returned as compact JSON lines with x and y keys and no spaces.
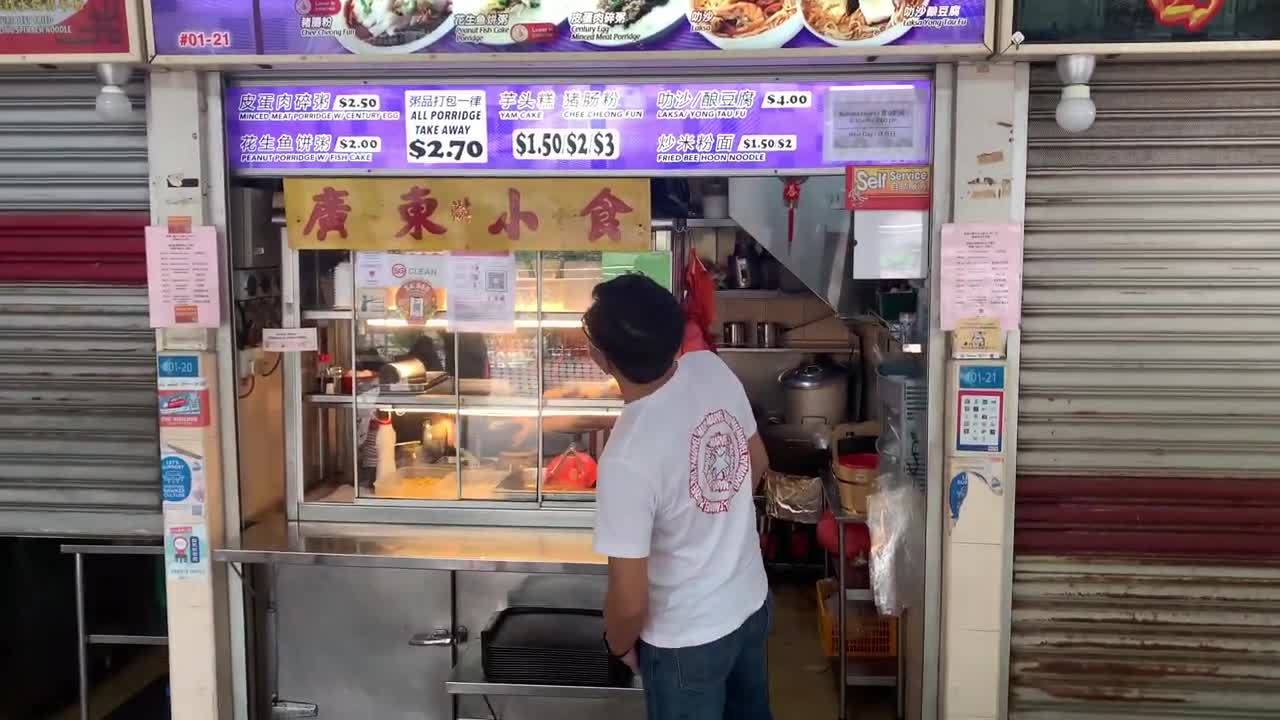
{"x":638,"y":326}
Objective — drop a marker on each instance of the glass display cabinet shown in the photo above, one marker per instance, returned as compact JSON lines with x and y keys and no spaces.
{"x":396,"y":409}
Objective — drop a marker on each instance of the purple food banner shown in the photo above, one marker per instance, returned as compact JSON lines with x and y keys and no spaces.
{"x":399,"y":27}
{"x":637,"y":129}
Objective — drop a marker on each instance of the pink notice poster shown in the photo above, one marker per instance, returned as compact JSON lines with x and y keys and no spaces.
{"x":182,"y":277}
{"x":981,"y":274}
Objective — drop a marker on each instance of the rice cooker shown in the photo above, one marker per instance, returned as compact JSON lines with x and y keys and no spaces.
{"x":817,"y":392}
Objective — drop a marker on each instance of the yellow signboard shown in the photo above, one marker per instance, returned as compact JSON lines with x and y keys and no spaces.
{"x":484,"y":214}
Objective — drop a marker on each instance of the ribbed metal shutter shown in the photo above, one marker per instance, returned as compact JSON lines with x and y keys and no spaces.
{"x":55,"y":154}
{"x":78,"y":436}
{"x":1147,"y":541}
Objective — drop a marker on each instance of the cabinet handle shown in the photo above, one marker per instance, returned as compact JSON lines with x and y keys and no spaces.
{"x":440,"y":637}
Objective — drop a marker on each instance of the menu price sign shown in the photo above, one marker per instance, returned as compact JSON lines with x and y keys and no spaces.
{"x":445,"y":127}
{"x":182,"y":277}
{"x":566,"y":144}
{"x":646,"y":129}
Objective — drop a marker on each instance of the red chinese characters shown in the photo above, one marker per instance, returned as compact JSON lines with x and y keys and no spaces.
{"x":510,"y":221}
{"x":416,"y":213}
{"x":603,"y":211}
{"x":328,"y":214}
{"x":1191,"y":14}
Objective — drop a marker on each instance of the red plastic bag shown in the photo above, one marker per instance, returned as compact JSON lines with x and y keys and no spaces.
{"x":572,"y":470}
{"x":699,"y":306}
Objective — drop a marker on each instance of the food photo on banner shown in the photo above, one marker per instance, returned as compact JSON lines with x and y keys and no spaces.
{"x":96,"y":30}
{"x":1146,"y":21}
{"x":391,"y":27}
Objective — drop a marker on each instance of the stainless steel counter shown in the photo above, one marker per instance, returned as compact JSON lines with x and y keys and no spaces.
{"x":423,"y":547}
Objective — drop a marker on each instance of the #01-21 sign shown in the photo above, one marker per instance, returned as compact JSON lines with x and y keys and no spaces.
{"x":473,"y":214}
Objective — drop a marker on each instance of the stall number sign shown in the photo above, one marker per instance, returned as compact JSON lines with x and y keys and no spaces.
{"x":980,"y":409}
{"x":181,"y":392}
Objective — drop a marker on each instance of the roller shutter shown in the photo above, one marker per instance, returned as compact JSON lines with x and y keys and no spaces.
{"x":55,"y":154}
{"x":1147,"y":541}
{"x":78,"y":436}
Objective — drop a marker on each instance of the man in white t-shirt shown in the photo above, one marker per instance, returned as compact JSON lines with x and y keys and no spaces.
{"x":688,"y":603}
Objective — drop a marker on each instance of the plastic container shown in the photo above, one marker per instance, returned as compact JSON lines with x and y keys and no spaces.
{"x":343,"y":284}
{"x":870,"y":635}
{"x":855,"y":475}
{"x":384,"y":443}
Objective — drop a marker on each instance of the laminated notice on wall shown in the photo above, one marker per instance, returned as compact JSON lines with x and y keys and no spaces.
{"x":182,"y":277}
{"x":482,"y":292}
{"x":981,"y":274}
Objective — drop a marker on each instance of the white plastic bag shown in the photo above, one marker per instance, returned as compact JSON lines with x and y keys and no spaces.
{"x":895,"y":520}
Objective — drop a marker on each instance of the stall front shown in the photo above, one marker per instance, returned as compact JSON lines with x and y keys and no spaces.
{"x":419,"y":420}
{"x":440,"y":373}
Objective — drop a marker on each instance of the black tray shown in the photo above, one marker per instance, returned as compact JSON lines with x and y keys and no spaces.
{"x":549,"y":646}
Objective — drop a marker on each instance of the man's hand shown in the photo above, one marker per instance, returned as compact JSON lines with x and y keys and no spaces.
{"x":631,"y":660}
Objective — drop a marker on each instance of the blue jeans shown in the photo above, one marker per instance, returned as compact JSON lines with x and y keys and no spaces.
{"x":726,"y":679}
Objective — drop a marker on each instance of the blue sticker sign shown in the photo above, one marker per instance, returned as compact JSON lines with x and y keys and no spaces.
{"x":178,"y":366}
{"x":175,"y":479}
{"x":982,"y":377}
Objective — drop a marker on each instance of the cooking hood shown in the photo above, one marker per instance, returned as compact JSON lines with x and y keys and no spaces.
{"x":831,"y":248}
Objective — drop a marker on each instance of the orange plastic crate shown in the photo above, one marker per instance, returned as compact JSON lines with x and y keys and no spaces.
{"x":866,"y":636}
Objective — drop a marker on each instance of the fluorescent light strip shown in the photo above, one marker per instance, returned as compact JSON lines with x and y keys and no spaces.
{"x":554,"y":324}
{"x":513,"y":412}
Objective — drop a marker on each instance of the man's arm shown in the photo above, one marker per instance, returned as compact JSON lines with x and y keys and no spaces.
{"x":626,"y":606}
{"x":759,"y":461}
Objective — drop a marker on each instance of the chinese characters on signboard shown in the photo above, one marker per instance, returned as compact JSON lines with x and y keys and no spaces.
{"x":479,"y":215}
{"x":705,"y":127}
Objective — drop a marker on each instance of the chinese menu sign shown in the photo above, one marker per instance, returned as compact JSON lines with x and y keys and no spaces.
{"x":1146,"y":21}
{"x":84,"y":30}
{"x":651,"y":129}
{"x":981,"y":274}
{"x":444,"y":28}
{"x":182,"y":277}
{"x":482,"y":214}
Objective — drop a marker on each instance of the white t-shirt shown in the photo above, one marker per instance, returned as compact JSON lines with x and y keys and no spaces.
{"x":675,"y":486}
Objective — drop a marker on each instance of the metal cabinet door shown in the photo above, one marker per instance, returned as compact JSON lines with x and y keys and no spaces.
{"x":343,"y":641}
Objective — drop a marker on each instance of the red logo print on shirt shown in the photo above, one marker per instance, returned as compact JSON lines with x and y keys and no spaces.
{"x":719,"y":462}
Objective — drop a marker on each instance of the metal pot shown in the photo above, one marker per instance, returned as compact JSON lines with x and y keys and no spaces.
{"x":735,"y":334}
{"x":816,"y":393}
{"x":769,"y":334}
